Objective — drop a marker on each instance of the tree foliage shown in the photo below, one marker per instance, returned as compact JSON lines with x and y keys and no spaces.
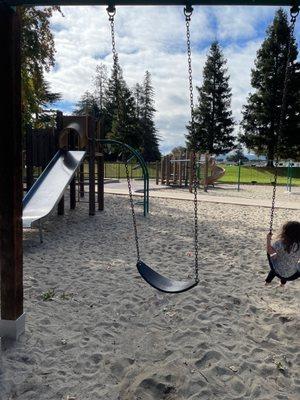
{"x":126,"y":115}
{"x":261,"y":114}
{"x":213,"y":130}
{"x":37,"y":52}
{"x":145,"y":117}
{"x":87,"y":105}
{"x":238,"y":156}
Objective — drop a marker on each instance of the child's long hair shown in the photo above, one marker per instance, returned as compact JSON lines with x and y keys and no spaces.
{"x":290,"y":236}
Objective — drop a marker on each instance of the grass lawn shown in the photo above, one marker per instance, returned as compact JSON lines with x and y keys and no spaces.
{"x":257,"y":175}
{"x":260,"y":175}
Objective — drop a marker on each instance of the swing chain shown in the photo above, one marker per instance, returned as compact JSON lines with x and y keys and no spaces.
{"x":111,"y":11}
{"x":188,"y":10}
{"x":133,"y":213}
{"x":294,"y":12}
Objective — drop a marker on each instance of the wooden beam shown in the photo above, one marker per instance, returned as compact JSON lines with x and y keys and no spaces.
{"x":11,"y":191}
{"x":275,"y":3}
{"x":91,"y":154}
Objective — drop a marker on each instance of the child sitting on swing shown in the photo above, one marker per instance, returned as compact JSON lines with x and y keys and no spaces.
{"x":284,"y":254}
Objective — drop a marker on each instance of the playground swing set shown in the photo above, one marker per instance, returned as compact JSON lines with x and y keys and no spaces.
{"x":12,"y":321}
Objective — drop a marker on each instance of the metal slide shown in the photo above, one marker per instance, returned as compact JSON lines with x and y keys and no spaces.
{"x":49,"y":188}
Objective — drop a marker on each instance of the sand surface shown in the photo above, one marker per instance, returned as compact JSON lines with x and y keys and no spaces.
{"x":107,"y":335}
{"x":256,"y":195}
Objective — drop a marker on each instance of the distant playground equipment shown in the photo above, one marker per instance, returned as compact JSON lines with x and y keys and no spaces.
{"x":177,"y":171}
{"x":60,"y":152}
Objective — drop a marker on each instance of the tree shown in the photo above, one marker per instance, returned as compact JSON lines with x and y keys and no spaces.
{"x":87,"y":105}
{"x":213,"y":116}
{"x":100,"y":82}
{"x":145,"y":112}
{"x":261,"y":114}
{"x":119,"y":111}
{"x":237,"y":156}
{"x":37,"y":54}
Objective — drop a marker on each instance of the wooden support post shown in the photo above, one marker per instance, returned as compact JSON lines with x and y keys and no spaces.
{"x":81,"y":180}
{"x":61,"y":206}
{"x":205,"y":185}
{"x":73,"y":194}
{"x":168,"y":170}
{"x":180,"y":173}
{"x":91,"y":136}
{"x":175,"y":171}
{"x":186,"y":179}
{"x":12,"y":322}
{"x":162,"y":171}
{"x":100,"y":173}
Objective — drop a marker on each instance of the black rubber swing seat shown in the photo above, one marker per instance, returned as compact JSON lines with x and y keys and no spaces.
{"x":162,"y":283}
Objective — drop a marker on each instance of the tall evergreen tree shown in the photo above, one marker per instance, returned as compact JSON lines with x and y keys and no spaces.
{"x":119,"y":110}
{"x":87,"y":105}
{"x":145,"y":110}
{"x":38,"y":49}
{"x":213,"y":116}
{"x":261,"y":114}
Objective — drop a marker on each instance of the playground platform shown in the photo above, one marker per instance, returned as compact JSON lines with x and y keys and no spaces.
{"x":254,"y":196}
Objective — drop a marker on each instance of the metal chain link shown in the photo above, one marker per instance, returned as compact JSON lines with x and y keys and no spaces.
{"x":294,"y":12}
{"x":188,"y":14}
{"x":111,"y":11}
{"x":133,"y":214}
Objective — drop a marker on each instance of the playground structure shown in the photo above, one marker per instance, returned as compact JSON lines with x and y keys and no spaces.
{"x":49,"y":188}
{"x":60,"y":152}
{"x":177,"y":171}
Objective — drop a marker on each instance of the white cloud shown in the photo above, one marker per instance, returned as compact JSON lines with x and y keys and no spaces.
{"x":153,"y":39}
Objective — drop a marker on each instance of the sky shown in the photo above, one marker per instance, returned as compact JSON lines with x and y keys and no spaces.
{"x":153,"y":39}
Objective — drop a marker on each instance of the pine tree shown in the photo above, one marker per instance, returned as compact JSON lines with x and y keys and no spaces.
{"x":119,"y":110}
{"x":261,"y":114}
{"x":213,"y":117}
{"x":145,"y":110}
{"x":87,"y":105}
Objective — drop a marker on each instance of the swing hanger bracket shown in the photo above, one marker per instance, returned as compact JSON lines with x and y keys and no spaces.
{"x":111,"y":11}
{"x":295,"y":9}
{"x":188,"y":11}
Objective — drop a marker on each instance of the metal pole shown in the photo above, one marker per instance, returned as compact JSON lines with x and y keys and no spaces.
{"x":239,"y":176}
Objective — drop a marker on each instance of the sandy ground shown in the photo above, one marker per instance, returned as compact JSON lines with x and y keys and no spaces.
{"x":107,"y":335}
{"x":257,"y":195}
